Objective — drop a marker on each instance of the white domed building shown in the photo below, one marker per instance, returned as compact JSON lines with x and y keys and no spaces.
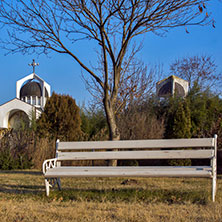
{"x":172,"y":86}
{"x":32,"y":93}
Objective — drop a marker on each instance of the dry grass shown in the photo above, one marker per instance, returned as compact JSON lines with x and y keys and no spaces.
{"x":22,"y":199}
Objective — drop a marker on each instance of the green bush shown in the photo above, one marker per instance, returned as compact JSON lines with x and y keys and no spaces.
{"x":8,"y":162}
{"x":24,"y":162}
{"x":60,"y":119}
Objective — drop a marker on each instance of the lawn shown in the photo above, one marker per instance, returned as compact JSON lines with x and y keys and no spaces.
{"x":22,"y":199}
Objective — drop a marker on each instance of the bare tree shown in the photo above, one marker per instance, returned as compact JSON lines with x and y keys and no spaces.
{"x":137,"y":82}
{"x":57,"y":25}
{"x":200,"y":70}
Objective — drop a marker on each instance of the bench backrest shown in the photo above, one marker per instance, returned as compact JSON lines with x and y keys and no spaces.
{"x":205,"y":148}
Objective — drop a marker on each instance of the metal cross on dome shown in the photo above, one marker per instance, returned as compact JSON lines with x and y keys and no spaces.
{"x":33,"y":64}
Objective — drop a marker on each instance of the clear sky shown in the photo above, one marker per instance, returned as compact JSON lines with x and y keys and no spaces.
{"x":64,"y":75}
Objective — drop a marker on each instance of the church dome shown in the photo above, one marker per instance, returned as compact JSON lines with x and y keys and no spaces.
{"x":32,"y":89}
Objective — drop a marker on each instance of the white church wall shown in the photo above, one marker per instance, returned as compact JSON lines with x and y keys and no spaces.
{"x":14,"y":105}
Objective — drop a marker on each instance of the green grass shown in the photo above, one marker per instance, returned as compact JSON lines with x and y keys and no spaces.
{"x":30,"y":184}
{"x":22,"y":198}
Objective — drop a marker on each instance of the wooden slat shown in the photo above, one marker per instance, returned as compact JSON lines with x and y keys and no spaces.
{"x":129,"y":171}
{"x":150,"y":154}
{"x":133,"y":144}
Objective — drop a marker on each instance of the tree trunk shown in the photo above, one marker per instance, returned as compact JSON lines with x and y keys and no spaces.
{"x":113,"y":129}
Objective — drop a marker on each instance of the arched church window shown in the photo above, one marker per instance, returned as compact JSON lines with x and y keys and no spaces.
{"x":34,"y":100}
{"x":29,"y":99}
{"x":39,"y":101}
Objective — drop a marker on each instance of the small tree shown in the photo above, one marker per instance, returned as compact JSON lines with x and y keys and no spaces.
{"x":179,"y":119}
{"x":182,"y":121}
{"x":61,"y":118}
{"x":179,"y":126}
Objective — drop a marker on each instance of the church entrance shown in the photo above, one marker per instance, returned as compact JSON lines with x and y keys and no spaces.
{"x":18,"y":119}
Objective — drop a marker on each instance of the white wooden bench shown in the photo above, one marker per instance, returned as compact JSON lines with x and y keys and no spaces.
{"x":202,"y":148}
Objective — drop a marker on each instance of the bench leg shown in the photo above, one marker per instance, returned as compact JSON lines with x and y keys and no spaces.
{"x":47,"y":186}
{"x":214,"y":177}
{"x":51,"y":183}
{"x":214,"y":170}
{"x":214,"y":180}
{"x":214,"y":187}
{"x":59,"y":183}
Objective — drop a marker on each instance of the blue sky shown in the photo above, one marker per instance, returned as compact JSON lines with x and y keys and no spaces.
{"x":64,"y":75}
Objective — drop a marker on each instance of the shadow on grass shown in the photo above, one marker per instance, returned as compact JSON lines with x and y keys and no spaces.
{"x":37,"y":173}
{"x":111,"y":195}
{"x":20,"y":189}
{"x":131,"y":195}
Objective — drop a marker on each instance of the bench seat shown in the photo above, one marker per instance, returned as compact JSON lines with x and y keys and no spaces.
{"x":168,"y":171}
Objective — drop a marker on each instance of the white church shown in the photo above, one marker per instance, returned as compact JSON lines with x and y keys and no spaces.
{"x":31,"y":95}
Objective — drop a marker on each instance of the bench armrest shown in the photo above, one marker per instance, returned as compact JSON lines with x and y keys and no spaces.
{"x":47,"y":164}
